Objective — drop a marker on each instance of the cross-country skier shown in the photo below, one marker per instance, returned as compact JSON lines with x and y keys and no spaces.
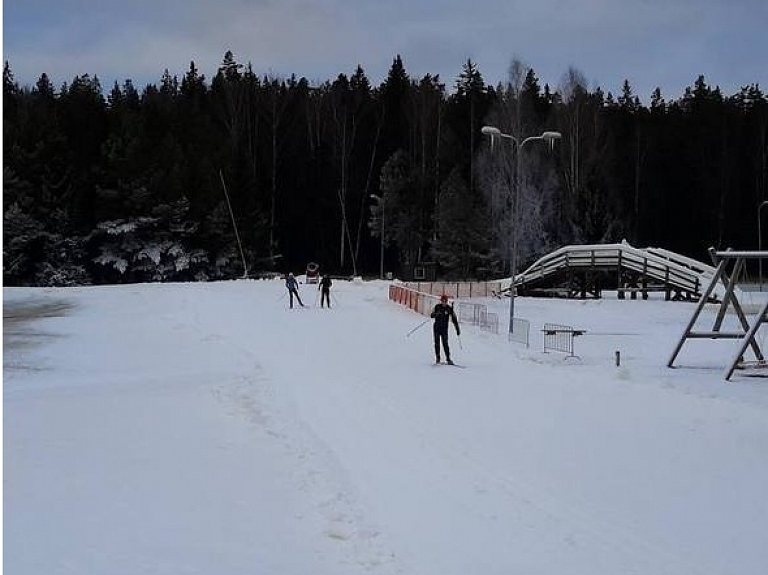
{"x":442,"y":314}
{"x":325,"y":290}
{"x":293,"y":289}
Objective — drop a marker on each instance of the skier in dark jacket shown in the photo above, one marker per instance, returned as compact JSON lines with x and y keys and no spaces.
{"x":325,"y":291}
{"x":293,"y":289}
{"x":442,"y":314}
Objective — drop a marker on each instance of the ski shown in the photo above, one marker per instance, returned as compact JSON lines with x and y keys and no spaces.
{"x":450,"y":365}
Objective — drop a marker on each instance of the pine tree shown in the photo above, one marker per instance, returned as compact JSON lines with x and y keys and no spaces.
{"x":462,"y":245}
{"x":399,"y":186}
{"x":394,"y":95}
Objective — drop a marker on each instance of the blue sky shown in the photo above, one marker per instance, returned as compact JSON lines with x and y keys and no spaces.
{"x":664,"y":43}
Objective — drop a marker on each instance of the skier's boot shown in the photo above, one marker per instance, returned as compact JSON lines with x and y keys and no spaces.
{"x":449,"y":361}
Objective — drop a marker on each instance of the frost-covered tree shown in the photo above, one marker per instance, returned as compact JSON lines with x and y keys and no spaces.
{"x":496,"y":179}
{"x":33,"y":255}
{"x":22,"y":238}
{"x":151,"y":248}
{"x":517,"y":173}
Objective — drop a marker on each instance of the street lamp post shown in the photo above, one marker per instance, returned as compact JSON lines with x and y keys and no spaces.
{"x":550,"y":137}
{"x":379,"y":199}
{"x":760,"y":242}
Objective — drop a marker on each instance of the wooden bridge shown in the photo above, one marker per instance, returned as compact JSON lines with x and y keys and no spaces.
{"x":584,"y":271}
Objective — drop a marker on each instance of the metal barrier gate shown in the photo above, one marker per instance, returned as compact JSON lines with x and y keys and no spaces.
{"x":560,"y":338}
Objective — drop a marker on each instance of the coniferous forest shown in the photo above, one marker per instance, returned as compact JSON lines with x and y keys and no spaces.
{"x":195,"y":178}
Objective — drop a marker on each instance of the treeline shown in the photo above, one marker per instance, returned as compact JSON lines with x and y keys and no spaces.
{"x":253,"y":174}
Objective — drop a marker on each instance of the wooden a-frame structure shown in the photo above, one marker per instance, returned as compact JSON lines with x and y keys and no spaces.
{"x":722,"y":260}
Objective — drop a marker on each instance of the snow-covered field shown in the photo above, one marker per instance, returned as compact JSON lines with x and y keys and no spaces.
{"x":206,"y":428}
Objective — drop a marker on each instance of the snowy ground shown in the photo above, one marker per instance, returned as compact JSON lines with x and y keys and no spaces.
{"x":206,"y":428}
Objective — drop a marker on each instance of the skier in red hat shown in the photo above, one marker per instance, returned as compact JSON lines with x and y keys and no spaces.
{"x":442,"y":314}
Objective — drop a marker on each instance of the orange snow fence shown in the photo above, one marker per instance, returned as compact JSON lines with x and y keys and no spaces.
{"x":419,"y":302}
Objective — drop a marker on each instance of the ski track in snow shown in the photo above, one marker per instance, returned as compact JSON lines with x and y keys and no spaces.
{"x":318,"y":473}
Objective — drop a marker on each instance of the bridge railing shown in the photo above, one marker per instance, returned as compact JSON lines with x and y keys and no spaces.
{"x":670,"y":270}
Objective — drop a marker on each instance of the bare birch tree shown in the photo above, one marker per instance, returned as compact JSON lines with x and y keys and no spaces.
{"x":499,"y":164}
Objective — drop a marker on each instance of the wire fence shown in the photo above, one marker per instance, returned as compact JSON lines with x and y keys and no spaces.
{"x":470,"y":312}
{"x":521,"y":331}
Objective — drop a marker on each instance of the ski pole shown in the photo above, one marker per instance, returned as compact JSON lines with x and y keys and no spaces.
{"x":415,"y":328}
{"x":460,"y":346}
